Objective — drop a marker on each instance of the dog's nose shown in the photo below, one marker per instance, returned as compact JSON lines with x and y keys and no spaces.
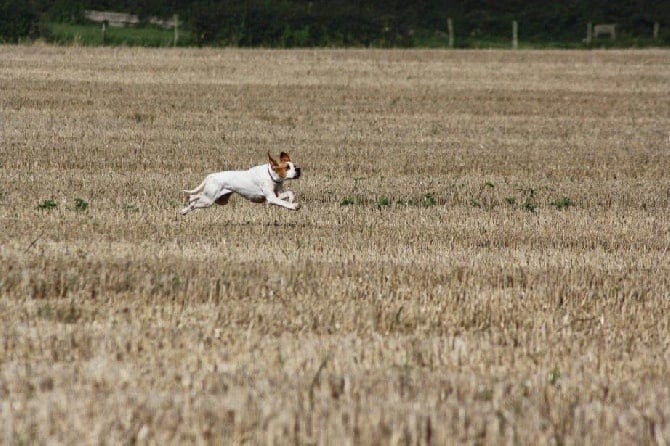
{"x":297,"y":172}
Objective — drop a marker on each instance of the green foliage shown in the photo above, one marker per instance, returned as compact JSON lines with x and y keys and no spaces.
{"x":91,"y":35}
{"x":529,"y":206}
{"x":127,"y":208}
{"x":529,"y":203}
{"x":428,"y":200}
{"x":562,"y":203}
{"x":299,"y":23}
{"x":383,"y":202}
{"x":346,"y":201}
{"x":66,"y":11}
{"x":80,"y":205}
{"x":19,"y":19}
{"x":47,"y":205}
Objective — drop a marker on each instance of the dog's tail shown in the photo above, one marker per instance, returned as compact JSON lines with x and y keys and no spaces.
{"x":197,"y":190}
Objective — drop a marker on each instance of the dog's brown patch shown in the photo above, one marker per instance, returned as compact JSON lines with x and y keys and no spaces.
{"x":282,"y":167}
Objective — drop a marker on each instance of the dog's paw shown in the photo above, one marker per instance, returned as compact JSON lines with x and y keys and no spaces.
{"x":296,"y":206}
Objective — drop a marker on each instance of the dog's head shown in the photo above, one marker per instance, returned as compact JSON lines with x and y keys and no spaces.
{"x":285,"y":168}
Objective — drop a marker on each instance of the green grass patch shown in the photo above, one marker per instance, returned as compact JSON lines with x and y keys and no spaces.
{"x":563,"y":203}
{"x":383,"y":202}
{"x":47,"y":205}
{"x":80,"y":205}
{"x":91,"y":35}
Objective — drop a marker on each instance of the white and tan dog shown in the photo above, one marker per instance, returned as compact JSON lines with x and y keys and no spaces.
{"x":260,"y":184}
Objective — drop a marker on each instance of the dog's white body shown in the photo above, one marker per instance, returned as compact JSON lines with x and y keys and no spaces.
{"x":260,"y":184}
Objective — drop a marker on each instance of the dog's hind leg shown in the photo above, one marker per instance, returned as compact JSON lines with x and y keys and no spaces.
{"x":200,"y":203}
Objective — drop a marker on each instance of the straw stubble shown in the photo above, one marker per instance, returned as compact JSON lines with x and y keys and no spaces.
{"x":481,"y":256}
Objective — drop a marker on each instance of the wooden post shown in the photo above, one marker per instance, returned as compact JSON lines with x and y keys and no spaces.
{"x":515,"y":34}
{"x":657,"y":29}
{"x":176,"y":29}
{"x":450,"y":29}
{"x":589,"y":32}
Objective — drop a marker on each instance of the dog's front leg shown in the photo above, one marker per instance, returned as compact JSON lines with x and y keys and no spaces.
{"x":287,"y":196}
{"x":273,"y":199}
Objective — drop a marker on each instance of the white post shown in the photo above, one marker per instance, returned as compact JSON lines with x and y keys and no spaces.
{"x":103,"y":32}
{"x":450,"y":29}
{"x":176,"y":29}
{"x":657,"y":29}
{"x":515,"y":34}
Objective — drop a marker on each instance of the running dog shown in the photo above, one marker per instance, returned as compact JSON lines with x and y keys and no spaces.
{"x":260,"y":184}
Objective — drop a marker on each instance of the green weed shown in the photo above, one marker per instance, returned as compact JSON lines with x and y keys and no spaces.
{"x":428,"y":200}
{"x":562,"y":203}
{"x":80,"y":205}
{"x":47,"y":205}
{"x":383,"y":202}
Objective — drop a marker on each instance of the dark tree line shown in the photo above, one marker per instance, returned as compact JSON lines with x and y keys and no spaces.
{"x":351,"y":22}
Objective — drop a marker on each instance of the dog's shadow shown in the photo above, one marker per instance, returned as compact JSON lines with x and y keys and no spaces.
{"x":273,"y":224}
{"x":251,"y":223}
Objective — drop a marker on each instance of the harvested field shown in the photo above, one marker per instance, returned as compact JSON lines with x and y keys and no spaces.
{"x":481,"y":256}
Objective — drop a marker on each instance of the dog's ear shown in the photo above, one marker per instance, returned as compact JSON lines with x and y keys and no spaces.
{"x":284,"y":158}
{"x":272,"y":161}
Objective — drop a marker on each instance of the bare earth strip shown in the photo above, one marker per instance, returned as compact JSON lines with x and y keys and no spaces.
{"x":482,"y":255}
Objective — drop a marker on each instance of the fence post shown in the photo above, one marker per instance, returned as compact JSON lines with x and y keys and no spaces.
{"x":589,"y":32}
{"x":657,"y":29}
{"x":515,"y":34}
{"x":103,"y":32}
{"x":176,"y":29}
{"x":450,"y":29}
